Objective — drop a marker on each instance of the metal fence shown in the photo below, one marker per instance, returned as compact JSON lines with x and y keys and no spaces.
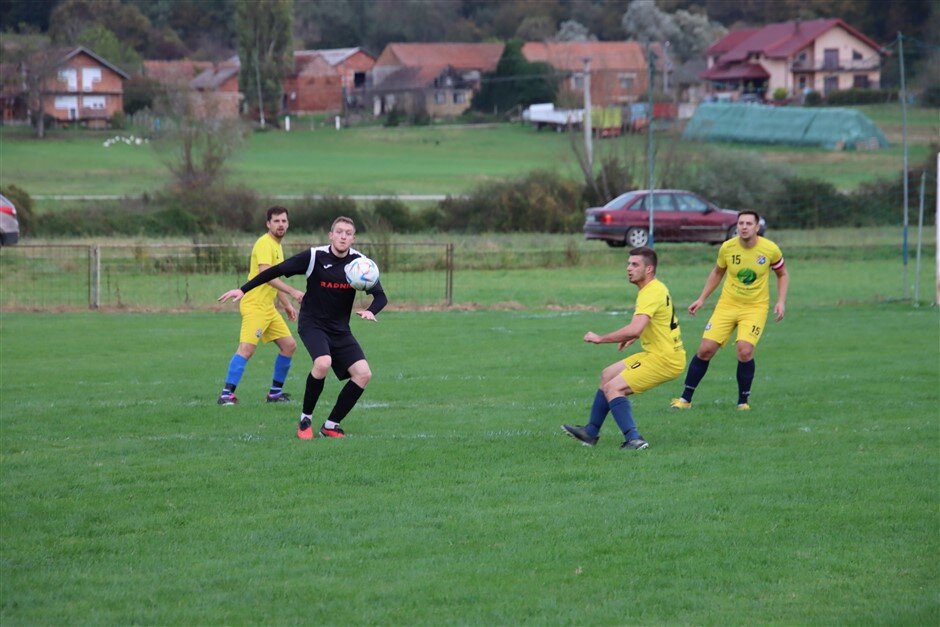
{"x":188,"y":277}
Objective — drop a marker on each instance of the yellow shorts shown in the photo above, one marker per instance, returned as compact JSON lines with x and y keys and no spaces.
{"x":643,"y":371}
{"x":266,"y":325}
{"x":748,"y":319}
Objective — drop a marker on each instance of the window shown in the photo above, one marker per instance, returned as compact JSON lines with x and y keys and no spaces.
{"x":93,"y":102}
{"x":359,"y":79}
{"x":661,"y":202}
{"x":830,"y":84}
{"x":802,"y":83}
{"x":460,"y":97}
{"x":627,"y":81}
{"x":69,"y":76}
{"x":90,"y":75}
{"x":690,"y":203}
{"x":856,"y":55}
{"x":440,"y":97}
{"x":577,"y":82}
{"x":861,"y":81}
{"x":830,"y":58}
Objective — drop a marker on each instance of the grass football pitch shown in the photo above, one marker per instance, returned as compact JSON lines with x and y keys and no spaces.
{"x":130,"y":497}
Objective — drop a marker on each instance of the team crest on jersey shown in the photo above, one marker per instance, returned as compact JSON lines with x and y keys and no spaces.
{"x":761,"y":260}
{"x":708,"y":327}
{"x":258,"y":333}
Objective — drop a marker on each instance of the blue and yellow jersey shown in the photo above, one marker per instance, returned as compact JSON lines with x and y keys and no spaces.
{"x":746,"y":281}
{"x":662,"y":336}
{"x":266,"y":251}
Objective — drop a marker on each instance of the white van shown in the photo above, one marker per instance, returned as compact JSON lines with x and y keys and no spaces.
{"x":9,"y":224}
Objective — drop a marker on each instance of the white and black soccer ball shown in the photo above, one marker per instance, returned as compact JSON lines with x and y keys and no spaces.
{"x":362,"y":273}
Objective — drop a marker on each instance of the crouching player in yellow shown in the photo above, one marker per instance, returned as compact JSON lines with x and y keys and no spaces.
{"x":743,"y":305}
{"x":662,"y":359}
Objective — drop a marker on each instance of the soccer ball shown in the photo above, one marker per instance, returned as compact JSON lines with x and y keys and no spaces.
{"x":362,"y":273}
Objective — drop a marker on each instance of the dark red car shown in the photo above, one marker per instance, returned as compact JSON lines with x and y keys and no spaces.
{"x":678,"y":216}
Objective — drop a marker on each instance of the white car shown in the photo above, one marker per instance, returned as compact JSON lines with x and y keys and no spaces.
{"x":9,"y":223}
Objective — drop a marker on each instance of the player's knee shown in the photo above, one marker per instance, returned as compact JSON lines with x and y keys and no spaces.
{"x":361,"y":376}
{"x":321,"y":366}
{"x":745,"y":351}
{"x":288,"y":348}
{"x":246,"y":350}
{"x":706,"y":351}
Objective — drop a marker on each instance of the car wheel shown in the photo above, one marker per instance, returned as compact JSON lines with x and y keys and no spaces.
{"x":615,"y":243}
{"x":638,"y":236}
{"x":733,"y":232}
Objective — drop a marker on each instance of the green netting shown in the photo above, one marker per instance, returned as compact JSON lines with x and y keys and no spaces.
{"x":835,"y":129}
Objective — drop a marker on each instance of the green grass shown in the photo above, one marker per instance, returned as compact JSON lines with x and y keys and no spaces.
{"x":405,"y":160}
{"x":129,"y":497}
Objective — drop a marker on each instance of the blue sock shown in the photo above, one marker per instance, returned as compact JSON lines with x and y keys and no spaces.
{"x":281,"y":368}
{"x":745,"y":378}
{"x":697,"y":369}
{"x":236,"y":368}
{"x":598,"y":414}
{"x":623,"y":413}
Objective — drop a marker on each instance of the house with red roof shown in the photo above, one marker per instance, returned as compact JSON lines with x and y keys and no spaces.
{"x":618,"y":69}
{"x":823,"y":55}
{"x":437,"y":79}
{"x":216,"y":87}
{"x":326,"y":80}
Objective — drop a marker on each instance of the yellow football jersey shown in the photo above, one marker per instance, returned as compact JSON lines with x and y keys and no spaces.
{"x":746,"y":279}
{"x":662,"y":336}
{"x":267,"y":251}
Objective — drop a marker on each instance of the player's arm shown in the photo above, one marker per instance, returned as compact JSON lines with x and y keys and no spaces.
{"x":713,"y":280}
{"x":297,"y":264}
{"x":623,"y":336}
{"x":783,"y":283}
{"x":287,"y":306}
{"x":281,"y":286}
{"x":379,"y":300}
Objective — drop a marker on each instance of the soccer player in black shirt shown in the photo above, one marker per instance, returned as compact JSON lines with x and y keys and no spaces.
{"x":323,"y":322}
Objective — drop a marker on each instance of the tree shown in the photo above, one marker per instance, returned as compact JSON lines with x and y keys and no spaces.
{"x":516,"y":81}
{"x":34,"y":62}
{"x":197,"y":142}
{"x":571,"y":30}
{"x":265,"y":50}
{"x":107,"y":46}
{"x":687,"y":33}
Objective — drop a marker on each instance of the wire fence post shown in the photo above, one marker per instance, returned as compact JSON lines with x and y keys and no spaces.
{"x":449,"y":281}
{"x":94,"y":277}
{"x":920,"y":238}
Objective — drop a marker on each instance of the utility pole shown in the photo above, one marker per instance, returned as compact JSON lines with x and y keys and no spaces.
{"x":907,"y":283}
{"x":651,"y":71}
{"x":588,"y":147}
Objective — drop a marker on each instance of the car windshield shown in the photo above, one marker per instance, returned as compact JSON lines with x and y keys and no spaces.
{"x":621,"y":201}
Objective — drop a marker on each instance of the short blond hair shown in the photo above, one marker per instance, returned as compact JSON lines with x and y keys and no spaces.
{"x":343,"y":219}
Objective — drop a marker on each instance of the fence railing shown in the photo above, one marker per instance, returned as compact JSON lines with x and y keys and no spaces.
{"x":163,"y":277}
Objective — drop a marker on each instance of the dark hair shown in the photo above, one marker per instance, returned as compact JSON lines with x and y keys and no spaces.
{"x":748,"y":212}
{"x":276,"y":210}
{"x":648,"y":254}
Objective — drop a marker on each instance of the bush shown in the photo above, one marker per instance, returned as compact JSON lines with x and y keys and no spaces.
{"x":24,"y":206}
{"x":734,"y":179}
{"x":812,"y":99}
{"x":540,"y":202}
{"x":781,"y":93}
{"x":118,"y":120}
{"x":140,"y":93}
{"x":931,"y":96}
{"x":856,"y":96}
{"x":395,"y":214}
{"x":393,"y":118}
{"x":316,"y":215}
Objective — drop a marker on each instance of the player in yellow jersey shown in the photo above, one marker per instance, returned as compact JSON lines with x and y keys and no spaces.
{"x":260,"y":319}
{"x":743,"y":305}
{"x":662,"y":358}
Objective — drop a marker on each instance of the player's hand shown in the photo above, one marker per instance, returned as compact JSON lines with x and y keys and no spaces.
{"x":592,"y":337}
{"x":365,"y":314}
{"x":779,"y":311}
{"x":298,"y":296}
{"x":622,"y":345}
{"x":291,"y":312}
{"x":233,"y":295}
{"x":695,"y":306}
